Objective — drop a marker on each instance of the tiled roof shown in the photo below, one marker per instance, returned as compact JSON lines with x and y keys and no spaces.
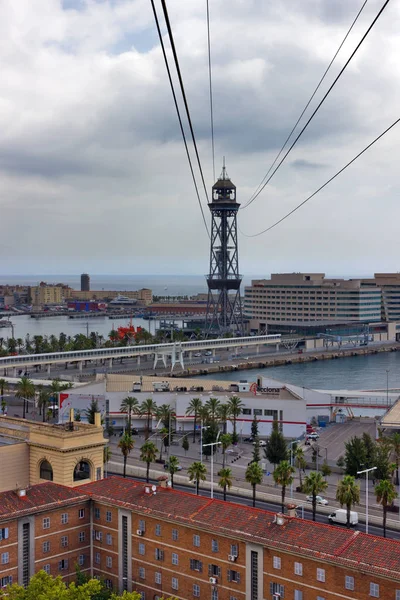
{"x":331,"y":543}
{"x":43,"y":496}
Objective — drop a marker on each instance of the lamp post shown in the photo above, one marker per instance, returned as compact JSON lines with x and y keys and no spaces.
{"x":291,"y":464}
{"x":387,"y":387}
{"x":212,"y":463}
{"x":366,"y":471}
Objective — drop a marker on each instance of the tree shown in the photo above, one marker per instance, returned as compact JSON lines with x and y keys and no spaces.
{"x":256,"y":450}
{"x":383,"y":464}
{"x":340,"y":462}
{"x":193,"y":409}
{"x":300,"y":463}
{"x":355,"y":455}
{"x":348,"y":494}
{"x":223,"y":415}
{"x":197,"y":472}
{"x":235,"y":409}
{"x":225,"y":479}
{"x":126,"y":445}
{"x":226,"y":441}
{"x":43,"y":401}
{"x":147,"y":409}
{"x":254,"y":476}
{"x":148,"y":454}
{"x":385,"y":495}
{"x":3,"y":386}
{"x":254,"y":427}
{"x":25,"y":391}
{"x":185,"y":444}
{"x":276,"y":450}
{"x":395,"y":440}
{"x":91,"y":411}
{"x":129,"y":405}
{"x":283,"y":476}
{"x":370,"y":448}
{"x":325,"y":469}
{"x":209,"y":437}
{"x":213,"y":406}
{"x":107,"y":454}
{"x":314,"y":484}
{"x":173,"y":467}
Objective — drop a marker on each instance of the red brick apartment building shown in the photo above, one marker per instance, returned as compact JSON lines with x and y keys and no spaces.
{"x":163,"y":542}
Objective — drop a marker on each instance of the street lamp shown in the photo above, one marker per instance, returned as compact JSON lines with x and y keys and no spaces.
{"x":366,"y":471}
{"x":291,"y":464}
{"x":387,"y":387}
{"x":212,"y":462}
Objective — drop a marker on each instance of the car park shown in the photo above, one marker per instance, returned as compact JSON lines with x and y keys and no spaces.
{"x":320,"y":500}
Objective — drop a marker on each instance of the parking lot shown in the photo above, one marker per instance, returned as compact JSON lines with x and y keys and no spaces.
{"x":333,"y":437}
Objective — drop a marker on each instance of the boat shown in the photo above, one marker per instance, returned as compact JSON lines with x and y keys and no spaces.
{"x":123,"y":301}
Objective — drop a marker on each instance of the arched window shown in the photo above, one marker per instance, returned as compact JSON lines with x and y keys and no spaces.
{"x":46,"y":470}
{"x":82,"y":471}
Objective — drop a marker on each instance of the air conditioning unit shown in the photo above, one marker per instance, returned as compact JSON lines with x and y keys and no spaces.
{"x":139,"y":532}
{"x":232,"y":557}
{"x":213,"y":580}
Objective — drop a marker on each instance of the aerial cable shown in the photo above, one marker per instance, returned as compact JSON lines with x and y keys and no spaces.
{"x":178,"y":70}
{"x":179,"y":116}
{"x":210,"y":85}
{"x":324,"y":185}
{"x":320,"y":104}
{"x":307,"y":105}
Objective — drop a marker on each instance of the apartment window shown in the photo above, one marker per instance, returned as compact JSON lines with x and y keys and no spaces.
{"x":142,"y":595}
{"x":4,"y":581}
{"x":158,"y":530}
{"x":196,"y":590}
{"x":232,"y":598}
{"x":64,"y":541}
{"x":277,"y":588}
{"x":320,"y":598}
{"x":214,"y":571}
{"x":159,"y":554}
{"x":46,"y":568}
{"x":298,"y":568}
{"x":196,"y":565}
{"x":46,"y":523}
{"x":98,"y":535}
{"x":108,"y":516}
{"x":141,"y":548}
{"x":97,"y":558}
{"x":374,"y":590}
{"x":142,"y":573}
{"x":5,"y":558}
{"x":81,"y":513}
{"x":108,"y":562}
{"x":109,"y":584}
{"x":214,"y":545}
{"x":97,"y":513}
{"x":214,"y":594}
{"x":234,"y":549}
{"x":397,"y":594}
{"x":81,"y":560}
{"x":174,"y":583}
{"x":349,"y":583}
{"x":63,"y":564}
{"x":298,"y":595}
{"x":175,"y":535}
{"x":320,"y":574}
{"x":277,"y":562}
{"x":109,"y":539}
{"x":233,"y":576}
{"x":175,"y":558}
{"x":46,"y":547}
{"x":142,"y":525}
{"x":3,"y":533}
{"x":157,"y":578}
{"x":81,"y":536}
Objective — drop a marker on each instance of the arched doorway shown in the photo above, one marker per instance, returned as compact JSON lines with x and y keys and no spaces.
{"x":82,"y":470}
{"x":46,"y":470}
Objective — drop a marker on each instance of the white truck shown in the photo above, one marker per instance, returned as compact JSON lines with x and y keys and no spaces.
{"x":340,"y":516}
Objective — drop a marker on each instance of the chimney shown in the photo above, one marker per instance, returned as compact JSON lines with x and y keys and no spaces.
{"x":291,"y":510}
{"x":279,"y":519}
{"x":163,"y":481}
{"x":97,"y":419}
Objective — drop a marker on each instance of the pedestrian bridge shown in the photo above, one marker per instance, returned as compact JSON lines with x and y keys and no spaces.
{"x":176,"y":351}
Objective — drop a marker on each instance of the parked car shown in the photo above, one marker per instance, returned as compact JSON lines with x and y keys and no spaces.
{"x":320,"y":500}
{"x":312,"y":436}
{"x":208,"y":353}
{"x":263,"y":443}
{"x":249,"y":439}
{"x":197,"y":354}
{"x":340,"y":516}
{"x":166,"y":467}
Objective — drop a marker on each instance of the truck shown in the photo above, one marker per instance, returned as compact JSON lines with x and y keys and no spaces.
{"x":340,"y":516}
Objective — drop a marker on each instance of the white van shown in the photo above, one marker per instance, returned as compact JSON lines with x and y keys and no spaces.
{"x":340,"y":516}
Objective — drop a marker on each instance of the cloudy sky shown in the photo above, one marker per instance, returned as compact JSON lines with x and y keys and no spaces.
{"x":93,"y":174}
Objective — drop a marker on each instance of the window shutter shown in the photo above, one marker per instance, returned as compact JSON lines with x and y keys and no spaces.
{"x":271,"y":588}
{"x":66,"y":563}
{"x":237,"y":577}
{"x":191,"y":564}
{"x":282,"y":590}
{"x":210,"y":570}
{"x":200,"y":566}
{"x":219,"y":571}
{"x":229,"y":575}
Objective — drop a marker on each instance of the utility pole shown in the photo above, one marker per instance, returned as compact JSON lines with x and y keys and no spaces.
{"x":212,"y":462}
{"x":366,"y":471}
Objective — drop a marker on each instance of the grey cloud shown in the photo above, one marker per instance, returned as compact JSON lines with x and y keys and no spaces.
{"x":306,"y":164}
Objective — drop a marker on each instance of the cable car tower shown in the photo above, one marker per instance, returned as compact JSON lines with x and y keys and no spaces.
{"x":224,"y":308}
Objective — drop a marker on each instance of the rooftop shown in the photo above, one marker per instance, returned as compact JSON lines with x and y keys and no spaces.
{"x":43,"y":496}
{"x":338,"y":545}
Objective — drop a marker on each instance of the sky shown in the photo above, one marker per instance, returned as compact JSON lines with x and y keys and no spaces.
{"x":93,"y":172}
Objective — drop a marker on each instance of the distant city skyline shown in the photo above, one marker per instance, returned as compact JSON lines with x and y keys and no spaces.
{"x":93,"y":173}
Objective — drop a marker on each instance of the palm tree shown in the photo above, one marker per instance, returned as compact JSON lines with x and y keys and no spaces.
{"x":348,"y":493}
{"x":194,"y":406}
{"x":197,"y":472}
{"x":106,"y":455}
{"x":173,"y":467}
{"x":395,"y":440}
{"x":147,"y":409}
{"x":300,"y":462}
{"x":235,"y":408}
{"x":226,"y":441}
{"x":254,"y":476}
{"x":25,"y":391}
{"x":148,"y":454}
{"x":212,"y":406}
{"x":43,"y":401}
{"x":126,"y":445}
{"x":225,"y":480}
{"x":129,"y":405}
{"x":223,"y":415}
{"x":314,"y":484}
{"x":283,"y":476}
{"x":3,"y":385}
{"x":385,"y":495}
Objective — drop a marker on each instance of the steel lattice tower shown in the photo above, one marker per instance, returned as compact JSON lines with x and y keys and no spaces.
{"x":224,"y":308}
